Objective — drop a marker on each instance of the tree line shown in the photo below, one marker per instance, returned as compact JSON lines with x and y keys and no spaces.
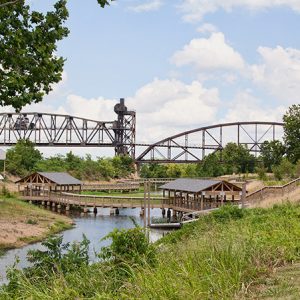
{"x":24,"y":158}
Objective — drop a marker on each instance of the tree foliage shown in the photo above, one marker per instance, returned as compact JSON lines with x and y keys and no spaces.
{"x":292,"y":133}
{"x":272,"y":153}
{"x":28,"y":41}
{"x":22,"y":158}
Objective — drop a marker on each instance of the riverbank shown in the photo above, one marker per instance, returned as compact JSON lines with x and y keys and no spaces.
{"x":22,"y":223}
{"x":229,"y":254}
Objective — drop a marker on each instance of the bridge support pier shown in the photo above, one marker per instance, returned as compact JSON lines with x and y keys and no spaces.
{"x":53,"y":204}
{"x":48,"y":203}
{"x":30,"y":202}
{"x":58,"y":206}
{"x":85,"y":210}
{"x":68,"y":208}
{"x":43,"y":203}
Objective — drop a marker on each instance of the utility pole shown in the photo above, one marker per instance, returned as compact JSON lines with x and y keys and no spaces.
{"x":149,"y":218}
{"x":145,"y":203}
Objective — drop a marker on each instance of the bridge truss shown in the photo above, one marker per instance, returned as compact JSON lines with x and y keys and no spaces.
{"x":192,"y":146}
{"x":56,"y":130}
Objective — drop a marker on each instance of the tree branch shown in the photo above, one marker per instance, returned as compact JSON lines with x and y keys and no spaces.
{"x":9,"y":3}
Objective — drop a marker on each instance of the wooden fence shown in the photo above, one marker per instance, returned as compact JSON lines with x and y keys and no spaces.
{"x":267,"y":191}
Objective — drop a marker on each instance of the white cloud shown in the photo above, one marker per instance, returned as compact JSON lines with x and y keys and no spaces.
{"x":213,"y":53}
{"x":279,"y":73}
{"x":167,"y":107}
{"x":247,"y":107}
{"x":207,"y":28}
{"x":195,"y":10}
{"x":148,"y":6}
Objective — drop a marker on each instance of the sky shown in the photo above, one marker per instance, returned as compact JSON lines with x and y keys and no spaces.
{"x":181,"y":64}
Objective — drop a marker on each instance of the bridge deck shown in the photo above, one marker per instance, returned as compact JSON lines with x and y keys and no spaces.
{"x":68,"y":199}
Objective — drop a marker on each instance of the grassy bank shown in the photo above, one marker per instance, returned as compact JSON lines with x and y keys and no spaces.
{"x":22,"y":223}
{"x":230,"y":254}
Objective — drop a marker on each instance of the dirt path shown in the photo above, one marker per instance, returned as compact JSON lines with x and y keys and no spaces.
{"x":22,"y":223}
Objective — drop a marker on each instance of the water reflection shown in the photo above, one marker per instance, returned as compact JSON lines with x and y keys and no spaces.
{"x":95,"y":227}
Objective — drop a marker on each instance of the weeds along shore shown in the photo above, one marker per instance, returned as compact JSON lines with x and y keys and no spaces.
{"x":224,"y":255}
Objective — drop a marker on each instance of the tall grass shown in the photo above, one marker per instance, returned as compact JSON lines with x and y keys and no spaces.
{"x":221,"y":256}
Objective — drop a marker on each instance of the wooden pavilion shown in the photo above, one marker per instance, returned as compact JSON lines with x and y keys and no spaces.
{"x":42,"y":183}
{"x":199,"y":194}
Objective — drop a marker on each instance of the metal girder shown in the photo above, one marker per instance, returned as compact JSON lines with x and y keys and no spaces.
{"x":180,"y":148}
{"x":57,"y":130}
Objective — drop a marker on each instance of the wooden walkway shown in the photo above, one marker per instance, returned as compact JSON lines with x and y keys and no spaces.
{"x":267,"y":191}
{"x":122,"y":187}
{"x":67,"y":200}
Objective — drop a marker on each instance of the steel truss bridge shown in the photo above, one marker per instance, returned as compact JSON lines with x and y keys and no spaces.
{"x":55,"y":130}
{"x":193,"y":145}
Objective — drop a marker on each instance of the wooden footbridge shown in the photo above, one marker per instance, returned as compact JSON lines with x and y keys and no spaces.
{"x":69,"y":200}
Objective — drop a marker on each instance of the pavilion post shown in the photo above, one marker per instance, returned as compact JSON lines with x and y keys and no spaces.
{"x":202,"y":200}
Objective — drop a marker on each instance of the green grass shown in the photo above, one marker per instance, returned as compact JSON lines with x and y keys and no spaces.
{"x":276,"y":182}
{"x":230,"y":254}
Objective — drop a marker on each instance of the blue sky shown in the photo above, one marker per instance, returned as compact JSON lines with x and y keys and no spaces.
{"x":180,"y":64}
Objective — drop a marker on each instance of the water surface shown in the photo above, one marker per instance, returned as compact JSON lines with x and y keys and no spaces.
{"x":94,"y":227}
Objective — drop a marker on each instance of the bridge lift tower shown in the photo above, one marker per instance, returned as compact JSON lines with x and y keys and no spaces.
{"x":125,"y":130}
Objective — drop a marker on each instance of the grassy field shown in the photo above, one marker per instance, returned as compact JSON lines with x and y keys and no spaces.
{"x":22,"y":223}
{"x":229,"y":254}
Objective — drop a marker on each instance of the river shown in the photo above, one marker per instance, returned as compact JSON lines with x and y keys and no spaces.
{"x":94,"y":227}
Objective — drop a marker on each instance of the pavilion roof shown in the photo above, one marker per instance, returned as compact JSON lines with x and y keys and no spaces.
{"x":195,"y":185}
{"x":60,"y":178}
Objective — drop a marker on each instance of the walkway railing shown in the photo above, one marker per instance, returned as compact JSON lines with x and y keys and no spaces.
{"x":91,"y":200}
{"x":111,"y":187}
{"x":280,"y":190}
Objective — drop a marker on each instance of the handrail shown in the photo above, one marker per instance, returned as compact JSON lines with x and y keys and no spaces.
{"x":262,"y":191}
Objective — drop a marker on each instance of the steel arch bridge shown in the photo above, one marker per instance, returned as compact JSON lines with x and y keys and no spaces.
{"x":192,"y":146}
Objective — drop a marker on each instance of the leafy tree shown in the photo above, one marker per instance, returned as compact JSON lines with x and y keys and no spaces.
{"x":174,"y":171}
{"x":190,"y":171}
{"x":297,"y":168}
{"x":124,"y":165}
{"x":292,"y":132}
{"x":261,"y":172}
{"x":28,"y":62}
{"x":52,"y":164}
{"x":22,"y":158}
{"x":285,"y":170}
{"x":237,"y":159}
{"x":28,"y":42}
{"x":106,"y":168}
{"x":272,"y":153}
{"x":210,"y":167}
{"x":153,"y":171}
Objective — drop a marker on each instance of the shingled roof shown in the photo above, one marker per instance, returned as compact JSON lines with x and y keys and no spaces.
{"x":193,"y":185}
{"x":60,"y":178}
